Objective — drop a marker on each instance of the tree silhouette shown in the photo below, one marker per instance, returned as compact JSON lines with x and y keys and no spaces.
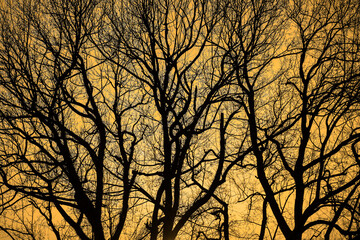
{"x":302,"y":118}
{"x":166,"y":46}
{"x":58,"y":129}
{"x":138,"y":119}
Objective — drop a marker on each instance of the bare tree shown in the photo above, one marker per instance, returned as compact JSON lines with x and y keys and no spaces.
{"x":167,"y":47}
{"x":67,"y":141}
{"x":303,"y":118}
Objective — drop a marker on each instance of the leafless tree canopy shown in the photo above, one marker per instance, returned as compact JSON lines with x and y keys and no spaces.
{"x":179,"y":119}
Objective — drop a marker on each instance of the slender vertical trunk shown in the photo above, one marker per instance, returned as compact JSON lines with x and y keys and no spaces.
{"x":226,"y":223}
{"x":169,"y":211}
